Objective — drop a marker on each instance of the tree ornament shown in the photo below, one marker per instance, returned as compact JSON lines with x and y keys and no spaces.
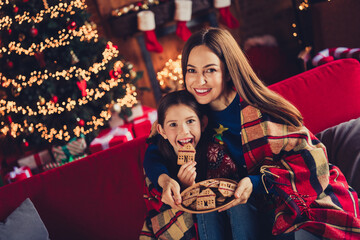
{"x":146,"y":24}
{"x":21,"y":37}
{"x":34,"y":32}
{"x":40,"y":58}
{"x":15,"y":91}
{"x":82,"y":87}
{"x":133,"y":74}
{"x":74,"y":58}
{"x":115,"y":108}
{"x":25,"y":1}
{"x":54,"y":99}
{"x":183,"y":13}
{"x":25,"y":143}
{"x":9,"y":31}
{"x":9,"y":119}
{"x":226,"y":16}
{"x":10,"y":64}
{"x":42,"y":101}
{"x":81,"y":122}
{"x":72,"y":25}
{"x":31,"y":129}
{"x":16,"y":9}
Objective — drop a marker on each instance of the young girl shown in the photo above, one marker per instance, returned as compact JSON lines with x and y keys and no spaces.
{"x":265,"y":135}
{"x":181,"y":120}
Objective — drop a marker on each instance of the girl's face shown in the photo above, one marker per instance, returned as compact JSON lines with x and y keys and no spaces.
{"x":181,"y":126}
{"x":205,"y":77}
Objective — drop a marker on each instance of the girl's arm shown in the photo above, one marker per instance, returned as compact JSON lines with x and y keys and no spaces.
{"x":153,"y":165}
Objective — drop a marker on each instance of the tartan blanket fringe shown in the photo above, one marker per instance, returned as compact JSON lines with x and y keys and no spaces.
{"x":311,"y":193}
{"x":163,"y":222}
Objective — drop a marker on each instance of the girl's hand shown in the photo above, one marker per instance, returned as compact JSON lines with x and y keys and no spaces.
{"x":242,"y":193}
{"x":187,"y":174}
{"x":171,"y":191}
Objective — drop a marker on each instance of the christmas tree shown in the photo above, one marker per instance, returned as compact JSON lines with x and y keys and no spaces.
{"x":58,"y":78}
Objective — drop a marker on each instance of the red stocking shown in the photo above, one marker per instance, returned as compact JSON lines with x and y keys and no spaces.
{"x":146,"y":23}
{"x":182,"y":30}
{"x":183,"y":11}
{"x":227,"y":18}
{"x":151,"y":42}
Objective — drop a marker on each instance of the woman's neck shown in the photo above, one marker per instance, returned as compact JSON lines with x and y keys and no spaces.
{"x":224,"y":100}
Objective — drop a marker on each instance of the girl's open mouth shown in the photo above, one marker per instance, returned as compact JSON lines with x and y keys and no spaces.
{"x":182,"y":142}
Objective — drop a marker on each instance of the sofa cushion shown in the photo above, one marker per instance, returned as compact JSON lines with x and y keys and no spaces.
{"x":343,"y":148}
{"x":23,"y":223}
{"x":327,"y":95}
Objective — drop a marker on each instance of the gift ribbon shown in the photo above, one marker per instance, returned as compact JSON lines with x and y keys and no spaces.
{"x":18,"y":171}
{"x":105,"y":140}
{"x":38,"y":161}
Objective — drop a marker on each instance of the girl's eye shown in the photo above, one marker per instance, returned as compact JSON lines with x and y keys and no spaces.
{"x":172,"y":124}
{"x":190,"y":121}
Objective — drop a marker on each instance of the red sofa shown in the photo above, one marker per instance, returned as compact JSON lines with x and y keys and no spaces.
{"x":100,"y":196}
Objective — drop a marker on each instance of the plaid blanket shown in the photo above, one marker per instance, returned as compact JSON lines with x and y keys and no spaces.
{"x":163,"y":222}
{"x":312,"y":194}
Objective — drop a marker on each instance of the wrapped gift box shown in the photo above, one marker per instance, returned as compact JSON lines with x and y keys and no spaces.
{"x":74,"y":148}
{"x":142,"y":125}
{"x":111,"y":137}
{"x":36,"y":161}
{"x":18,"y":174}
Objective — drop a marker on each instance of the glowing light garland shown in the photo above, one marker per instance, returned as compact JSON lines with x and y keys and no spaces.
{"x":51,"y":42}
{"x":170,"y":77}
{"x":86,"y":33}
{"x":63,"y":134}
{"x":53,"y":11}
{"x":39,"y":77}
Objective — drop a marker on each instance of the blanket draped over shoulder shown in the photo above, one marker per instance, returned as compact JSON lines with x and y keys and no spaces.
{"x":311,"y":193}
{"x":163,"y":222}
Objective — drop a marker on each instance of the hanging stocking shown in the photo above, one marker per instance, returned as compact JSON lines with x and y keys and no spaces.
{"x":226,"y":16}
{"x":183,"y":13}
{"x":146,"y":23}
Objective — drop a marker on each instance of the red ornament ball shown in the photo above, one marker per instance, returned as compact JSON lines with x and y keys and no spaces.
{"x":25,"y":1}
{"x":10,"y":64}
{"x":16,"y":9}
{"x":34,"y":32}
{"x":72,"y":26}
{"x":81,"y":122}
{"x":9,"y":119}
{"x":26,"y":144}
{"x":54,"y":99}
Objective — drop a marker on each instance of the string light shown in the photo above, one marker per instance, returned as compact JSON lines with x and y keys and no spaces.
{"x":53,"y":12}
{"x":38,"y":77}
{"x":88,"y":33}
{"x":144,"y":5}
{"x":170,"y":77}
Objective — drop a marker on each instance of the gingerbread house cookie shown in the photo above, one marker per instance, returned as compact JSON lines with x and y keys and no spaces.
{"x":190,"y":197}
{"x":186,"y":154}
{"x":211,"y":183}
{"x":206,"y":200}
{"x":227,"y":189}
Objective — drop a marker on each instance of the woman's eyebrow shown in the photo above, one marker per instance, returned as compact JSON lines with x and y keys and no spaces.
{"x":208,"y":65}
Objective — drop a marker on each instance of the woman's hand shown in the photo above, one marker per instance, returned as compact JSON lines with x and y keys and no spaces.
{"x":171,"y":191}
{"x":242,"y":193}
{"x":187,"y":174}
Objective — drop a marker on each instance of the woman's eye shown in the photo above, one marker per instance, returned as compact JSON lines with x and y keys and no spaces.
{"x":210,"y":70}
{"x":191,"y":70}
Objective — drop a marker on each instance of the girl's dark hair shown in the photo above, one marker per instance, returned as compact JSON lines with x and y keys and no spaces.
{"x":166,"y":149}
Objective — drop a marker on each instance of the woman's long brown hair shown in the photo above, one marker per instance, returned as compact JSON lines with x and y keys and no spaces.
{"x":250,"y":88}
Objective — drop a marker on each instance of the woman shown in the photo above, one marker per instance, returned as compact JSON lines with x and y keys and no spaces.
{"x":265,"y":136}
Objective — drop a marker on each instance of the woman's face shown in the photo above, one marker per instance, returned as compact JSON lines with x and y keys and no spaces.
{"x":205,"y":77}
{"x":181,"y":126}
